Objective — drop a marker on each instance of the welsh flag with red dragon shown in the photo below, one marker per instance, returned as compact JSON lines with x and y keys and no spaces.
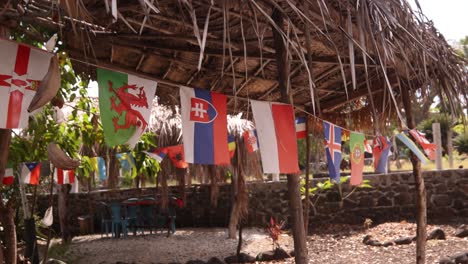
{"x":125,"y":103}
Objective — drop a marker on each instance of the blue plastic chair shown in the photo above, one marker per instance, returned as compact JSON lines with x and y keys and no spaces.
{"x":118,"y":222}
{"x":146,"y":216}
{"x":132,"y":217}
{"x":105,"y":217}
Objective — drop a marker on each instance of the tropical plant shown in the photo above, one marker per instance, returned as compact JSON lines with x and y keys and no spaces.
{"x":326,"y":185}
{"x":461,"y":143}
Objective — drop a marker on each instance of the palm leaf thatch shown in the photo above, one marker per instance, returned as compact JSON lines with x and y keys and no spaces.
{"x":340,"y":51}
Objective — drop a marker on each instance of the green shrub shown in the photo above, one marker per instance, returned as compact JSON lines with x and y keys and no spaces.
{"x":461,"y":143}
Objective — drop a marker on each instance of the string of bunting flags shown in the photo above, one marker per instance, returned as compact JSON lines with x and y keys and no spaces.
{"x":125,"y":102}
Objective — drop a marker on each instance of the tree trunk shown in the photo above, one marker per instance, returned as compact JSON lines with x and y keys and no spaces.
{"x":234,"y":218}
{"x":295,"y":204}
{"x":113,"y":175}
{"x":7,"y":218}
{"x":1,"y":254}
{"x":64,"y":190}
{"x":5,"y":137}
{"x":421,"y":210}
{"x":307,"y":171}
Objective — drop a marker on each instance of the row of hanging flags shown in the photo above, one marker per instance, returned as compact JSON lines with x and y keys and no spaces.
{"x":30,"y":173}
{"x":125,"y":102}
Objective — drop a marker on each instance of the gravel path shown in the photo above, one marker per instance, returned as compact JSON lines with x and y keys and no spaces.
{"x":327,"y":244}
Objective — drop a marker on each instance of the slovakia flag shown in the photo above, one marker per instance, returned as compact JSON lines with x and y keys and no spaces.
{"x":30,"y":172}
{"x":277,"y":136}
{"x":301,"y":127}
{"x":204,"y":126}
{"x":333,"y":149}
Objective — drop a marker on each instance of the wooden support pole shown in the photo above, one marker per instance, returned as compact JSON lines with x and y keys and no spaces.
{"x":295,"y":203}
{"x":421,"y":208}
{"x":307,"y":179}
{"x":438,"y":142}
{"x":450,"y":147}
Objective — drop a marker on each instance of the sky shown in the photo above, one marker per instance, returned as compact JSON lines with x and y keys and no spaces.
{"x":450,"y":17}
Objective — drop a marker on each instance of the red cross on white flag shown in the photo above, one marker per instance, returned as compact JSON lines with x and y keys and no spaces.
{"x":21,"y":69}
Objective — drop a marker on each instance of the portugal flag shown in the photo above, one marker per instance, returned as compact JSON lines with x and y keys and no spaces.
{"x":21,"y":69}
{"x":356,"y":146}
{"x":125,"y":102}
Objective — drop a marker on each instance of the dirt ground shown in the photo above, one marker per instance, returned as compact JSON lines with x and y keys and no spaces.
{"x":326,"y":244}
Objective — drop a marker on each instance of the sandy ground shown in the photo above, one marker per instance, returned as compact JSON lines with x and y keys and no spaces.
{"x":327,"y":244}
{"x":184,"y":245}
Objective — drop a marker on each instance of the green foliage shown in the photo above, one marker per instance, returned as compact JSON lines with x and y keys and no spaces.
{"x":327,"y":184}
{"x":461,"y":143}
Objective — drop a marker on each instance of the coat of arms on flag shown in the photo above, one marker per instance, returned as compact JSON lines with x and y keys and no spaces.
{"x":333,"y":149}
{"x":204,"y":126}
{"x":64,"y":176}
{"x":250,"y":140}
{"x":125,"y":103}
{"x":30,"y":172}
{"x":277,"y":136}
{"x":21,"y":70}
{"x":356,"y":146}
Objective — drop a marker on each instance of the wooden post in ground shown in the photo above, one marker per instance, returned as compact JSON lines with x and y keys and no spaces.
{"x":307,"y":171}
{"x":421,"y":209}
{"x":7,"y":211}
{"x":295,"y":203}
{"x":438,"y":142}
{"x":450,"y":147}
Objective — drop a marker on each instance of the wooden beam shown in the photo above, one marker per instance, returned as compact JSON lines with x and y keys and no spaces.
{"x":247,"y":81}
{"x":154,"y":46}
{"x":294,"y":194}
{"x":421,"y":206}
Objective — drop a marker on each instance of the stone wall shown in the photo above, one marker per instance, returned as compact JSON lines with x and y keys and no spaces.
{"x":392,"y":198}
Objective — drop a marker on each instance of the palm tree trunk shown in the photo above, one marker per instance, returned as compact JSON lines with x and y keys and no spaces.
{"x":64,"y":190}
{"x":7,"y":218}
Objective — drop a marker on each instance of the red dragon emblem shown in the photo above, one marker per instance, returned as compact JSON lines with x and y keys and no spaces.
{"x":126,"y":101}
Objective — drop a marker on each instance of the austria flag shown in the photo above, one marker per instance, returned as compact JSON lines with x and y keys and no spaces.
{"x":277,"y":136}
{"x":9,"y":177}
{"x":64,"y":176}
{"x":204,"y":126}
{"x":30,"y":172}
{"x":301,"y":127}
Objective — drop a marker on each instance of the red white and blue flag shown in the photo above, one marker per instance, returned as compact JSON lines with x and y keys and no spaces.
{"x":157,"y":154}
{"x":21,"y":70}
{"x":9,"y":177}
{"x":277,"y":136}
{"x":429,"y":148}
{"x":301,"y":127}
{"x":381,"y":151}
{"x":251,"y":140}
{"x":64,"y":176}
{"x":204,"y":126}
{"x":30,"y":172}
{"x":333,"y":149}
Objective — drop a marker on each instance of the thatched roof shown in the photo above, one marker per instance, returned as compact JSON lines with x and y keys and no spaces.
{"x":358,"y":48}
